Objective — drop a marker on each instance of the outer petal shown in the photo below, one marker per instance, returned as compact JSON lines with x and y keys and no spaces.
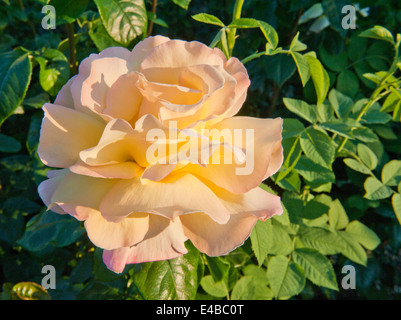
{"x":218,"y":239}
{"x":142,"y":49}
{"x":47,"y":187}
{"x":263,"y":153}
{"x":96,"y":75}
{"x":237,"y":70}
{"x":164,"y":245}
{"x":113,"y":235}
{"x":64,"y":97}
{"x":64,"y":133}
{"x":169,"y":198}
{"x":80,"y":195}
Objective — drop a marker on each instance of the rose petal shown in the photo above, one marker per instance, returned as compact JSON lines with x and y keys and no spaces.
{"x":164,"y":245}
{"x":165,"y":62}
{"x":64,"y":133}
{"x":142,"y":49}
{"x":170,"y":198}
{"x":123,"y":170}
{"x":80,"y":195}
{"x":123,"y":99}
{"x":217,"y":239}
{"x":113,"y":235}
{"x":64,"y":97}
{"x":262,"y":159}
{"x":96,"y":75}
{"x":47,"y":187}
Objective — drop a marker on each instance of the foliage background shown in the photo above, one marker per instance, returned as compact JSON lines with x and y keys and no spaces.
{"x":341,"y":201}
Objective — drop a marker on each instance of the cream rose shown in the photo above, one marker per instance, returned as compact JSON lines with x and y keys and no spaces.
{"x":142,"y":206}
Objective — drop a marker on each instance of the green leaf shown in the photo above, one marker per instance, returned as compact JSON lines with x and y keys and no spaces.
{"x":302,"y":66}
{"x":347,"y":83}
{"x":352,"y":249}
{"x":208,"y":18}
{"x":100,"y":37}
{"x":297,"y":45}
{"x":15,"y":76}
{"x":320,"y":78}
{"x":317,"y":267}
{"x":325,"y":113}
{"x":292,"y":128}
{"x":314,"y":173}
{"x":54,"y":71}
{"x":182,"y":3}
{"x":391,"y":174}
{"x":317,"y":207}
{"x":291,"y":181}
{"x":322,"y":240}
{"x":357,"y":166}
{"x":365,"y":135}
{"x":257,"y":273}
{"x":286,"y":278}
{"x":32,"y":141}
{"x":367,"y":156}
{"x":217,"y":267}
{"x":68,"y":11}
{"x":396,"y":201}
{"x":248,"y":288}
{"x":170,"y":279}
{"x":30,"y":291}
{"x":375,"y":116}
{"x":278,"y":68}
{"x":124,"y":20}
{"x":268,"y":31}
{"x":49,"y":228}
{"x":378,"y":32}
{"x":292,"y":153}
{"x":341,"y":127}
{"x":397,"y":112}
{"x":9,"y":144}
{"x":375,"y":190}
{"x":363,"y":235}
{"x":301,"y":108}
{"x":335,"y":62}
{"x":341,"y":103}
{"x":216,"y":289}
{"x":392,"y":100}
{"x":266,"y":238}
{"x":318,"y":146}
{"x":313,"y":12}
{"x":36,"y":102}
{"x":337,"y":216}
{"x":216,"y":39}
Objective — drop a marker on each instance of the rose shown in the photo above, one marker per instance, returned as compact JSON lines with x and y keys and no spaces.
{"x":142,"y":206}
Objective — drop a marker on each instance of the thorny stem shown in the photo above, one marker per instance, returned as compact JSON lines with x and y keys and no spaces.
{"x":154,"y":6}
{"x":72,"y":50}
